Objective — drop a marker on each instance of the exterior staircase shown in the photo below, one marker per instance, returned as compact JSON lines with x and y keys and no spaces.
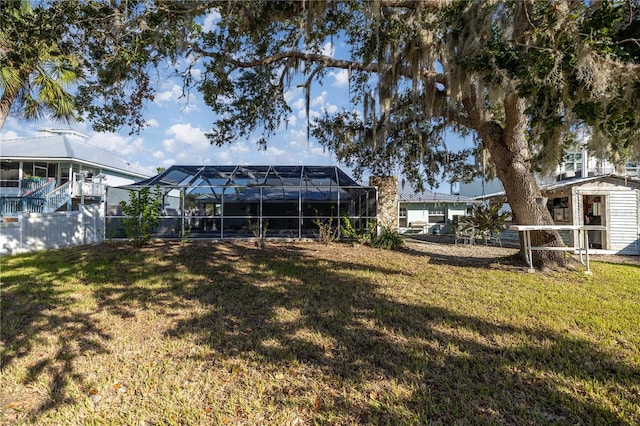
{"x":36,"y":197}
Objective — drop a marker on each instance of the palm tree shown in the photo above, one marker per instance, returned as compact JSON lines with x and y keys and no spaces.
{"x":35,"y":74}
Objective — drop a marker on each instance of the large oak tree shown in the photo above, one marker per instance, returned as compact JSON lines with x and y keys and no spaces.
{"x":520,"y":76}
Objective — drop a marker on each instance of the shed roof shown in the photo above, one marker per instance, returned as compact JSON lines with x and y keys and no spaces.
{"x":567,"y":183}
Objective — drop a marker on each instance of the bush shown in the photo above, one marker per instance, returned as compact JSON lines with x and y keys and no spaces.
{"x":327,"y":233}
{"x":142,"y":214}
{"x":362,"y":236}
{"x":483,"y":221}
{"x":387,"y":239}
{"x":255,"y":230}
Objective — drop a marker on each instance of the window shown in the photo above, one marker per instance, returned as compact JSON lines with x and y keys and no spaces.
{"x":9,"y":173}
{"x":572,"y":161}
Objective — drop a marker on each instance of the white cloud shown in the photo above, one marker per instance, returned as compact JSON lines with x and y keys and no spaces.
{"x":171,"y":94}
{"x":319,"y":100}
{"x":292,"y":93}
{"x":183,"y":135}
{"x":211,"y":21}
{"x":122,"y":145}
{"x":297,"y":136}
{"x":223,"y":157}
{"x":168,"y":163}
{"x":330,"y":108}
{"x":328,"y":49}
{"x":341,"y":78}
{"x":196,"y":74}
{"x":158,"y":155}
{"x":298,"y":105}
{"x":321,"y":152}
{"x":303,"y":114}
{"x":152,"y":122}
{"x":190,"y":107}
{"x":170,"y":145}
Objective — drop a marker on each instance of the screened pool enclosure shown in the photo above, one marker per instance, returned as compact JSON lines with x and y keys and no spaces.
{"x":248,"y":201}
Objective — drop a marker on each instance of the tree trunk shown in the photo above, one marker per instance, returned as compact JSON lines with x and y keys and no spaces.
{"x":510,"y":153}
{"x":5,"y":106}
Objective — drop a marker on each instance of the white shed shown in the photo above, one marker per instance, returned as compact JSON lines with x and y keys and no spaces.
{"x":608,"y":205}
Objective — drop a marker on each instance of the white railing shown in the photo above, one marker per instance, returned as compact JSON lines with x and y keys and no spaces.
{"x":58,"y":197}
{"x":31,"y":188}
{"x":88,"y":189}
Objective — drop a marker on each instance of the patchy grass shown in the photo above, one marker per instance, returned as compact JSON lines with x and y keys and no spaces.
{"x":224,"y":333}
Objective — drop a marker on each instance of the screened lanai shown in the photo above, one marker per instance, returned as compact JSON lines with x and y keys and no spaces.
{"x":247,"y":201}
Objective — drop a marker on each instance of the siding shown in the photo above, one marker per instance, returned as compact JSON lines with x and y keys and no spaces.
{"x":623,"y":207}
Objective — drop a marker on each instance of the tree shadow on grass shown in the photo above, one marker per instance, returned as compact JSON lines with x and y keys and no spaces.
{"x":383,"y":359}
{"x":456,"y":365}
{"x":37,"y":313}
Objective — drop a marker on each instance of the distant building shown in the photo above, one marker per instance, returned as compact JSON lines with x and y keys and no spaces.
{"x":428,"y":212}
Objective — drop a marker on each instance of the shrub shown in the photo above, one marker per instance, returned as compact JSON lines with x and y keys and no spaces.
{"x":255,"y":230}
{"x":142,"y":214}
{"x":388,"y":239}
{"x":362,"y":236}
{"x":483,"y":221}
{"x":327,"y":233}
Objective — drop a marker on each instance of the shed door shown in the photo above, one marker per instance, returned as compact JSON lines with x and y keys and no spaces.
{"x":595,"y":220}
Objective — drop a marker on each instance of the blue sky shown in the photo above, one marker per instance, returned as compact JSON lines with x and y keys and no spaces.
{"x":177,"y":127}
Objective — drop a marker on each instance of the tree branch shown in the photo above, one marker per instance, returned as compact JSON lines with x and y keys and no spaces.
{"x":323,"y":60}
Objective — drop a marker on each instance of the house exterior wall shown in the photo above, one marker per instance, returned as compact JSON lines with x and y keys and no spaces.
{"x":416,"y":212}
{"x":430,"y":214}
{"x":420,"y":212}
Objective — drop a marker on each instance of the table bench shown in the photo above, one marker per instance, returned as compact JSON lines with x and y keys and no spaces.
{"x":583,"y":243}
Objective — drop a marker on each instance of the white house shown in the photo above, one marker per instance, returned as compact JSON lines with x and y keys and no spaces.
{"x":58,"y":171}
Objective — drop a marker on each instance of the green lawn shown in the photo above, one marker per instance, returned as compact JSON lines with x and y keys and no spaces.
{"x":302,"y":333}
